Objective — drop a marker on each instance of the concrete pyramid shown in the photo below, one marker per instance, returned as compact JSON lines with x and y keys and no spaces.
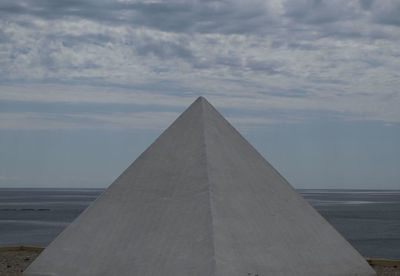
{"x":200,"y":201}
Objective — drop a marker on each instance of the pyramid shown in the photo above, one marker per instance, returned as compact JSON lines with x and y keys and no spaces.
{"x":200,"y":201}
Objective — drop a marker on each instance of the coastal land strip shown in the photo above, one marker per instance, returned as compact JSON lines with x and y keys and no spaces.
{"x":15,"y":259}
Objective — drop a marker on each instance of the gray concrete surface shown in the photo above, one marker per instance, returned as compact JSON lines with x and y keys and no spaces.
{"x":200,"y":201}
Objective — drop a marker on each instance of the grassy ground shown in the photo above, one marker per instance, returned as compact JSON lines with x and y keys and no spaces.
{"x":14,"y":260}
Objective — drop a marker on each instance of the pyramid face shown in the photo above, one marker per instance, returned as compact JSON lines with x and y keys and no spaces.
{"x":200,"y":201}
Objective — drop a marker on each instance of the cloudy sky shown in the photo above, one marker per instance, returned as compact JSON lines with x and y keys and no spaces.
{"x":87,"y":85}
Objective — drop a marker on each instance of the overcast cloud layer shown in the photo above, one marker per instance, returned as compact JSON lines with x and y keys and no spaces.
{"x":272,"y":61}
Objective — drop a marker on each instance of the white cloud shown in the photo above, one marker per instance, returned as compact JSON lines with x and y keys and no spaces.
{"x":113,"y":121}
{"x":86,"y":94}
{"x":342,"y":104}
{"x":156,"y":121}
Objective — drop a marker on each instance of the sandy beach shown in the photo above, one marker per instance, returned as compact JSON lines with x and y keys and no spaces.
{"x":15,"y":259}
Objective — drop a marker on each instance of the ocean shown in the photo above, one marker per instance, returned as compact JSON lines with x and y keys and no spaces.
{"x":368,"y":219}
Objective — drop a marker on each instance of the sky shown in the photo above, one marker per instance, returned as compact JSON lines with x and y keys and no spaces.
{"x":87,"y":85}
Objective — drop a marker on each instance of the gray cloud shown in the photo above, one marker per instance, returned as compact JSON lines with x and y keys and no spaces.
{"x":318,"y":11}
{"x":163,"y":48}
{"x":387,"y":12}
{"x":366,"y":4}
{"x":362,"y":19}
{"x":220,"y":16}
{"x":306,"y":46}
{"x":268,"y":67}
{"x":3,"y":37}
{"x":188,"y":16}
{"x":73,"y":40}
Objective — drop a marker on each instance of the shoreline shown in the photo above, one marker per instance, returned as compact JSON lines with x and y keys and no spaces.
{"x":15,"y":259}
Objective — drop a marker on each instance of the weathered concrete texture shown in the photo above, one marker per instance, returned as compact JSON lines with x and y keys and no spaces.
{"x":200,"y":201}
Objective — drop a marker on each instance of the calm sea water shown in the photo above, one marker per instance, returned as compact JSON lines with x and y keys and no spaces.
{"x":368,"y":219}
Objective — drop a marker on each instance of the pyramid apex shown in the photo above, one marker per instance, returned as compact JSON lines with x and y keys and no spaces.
{"x":201,"y":98}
